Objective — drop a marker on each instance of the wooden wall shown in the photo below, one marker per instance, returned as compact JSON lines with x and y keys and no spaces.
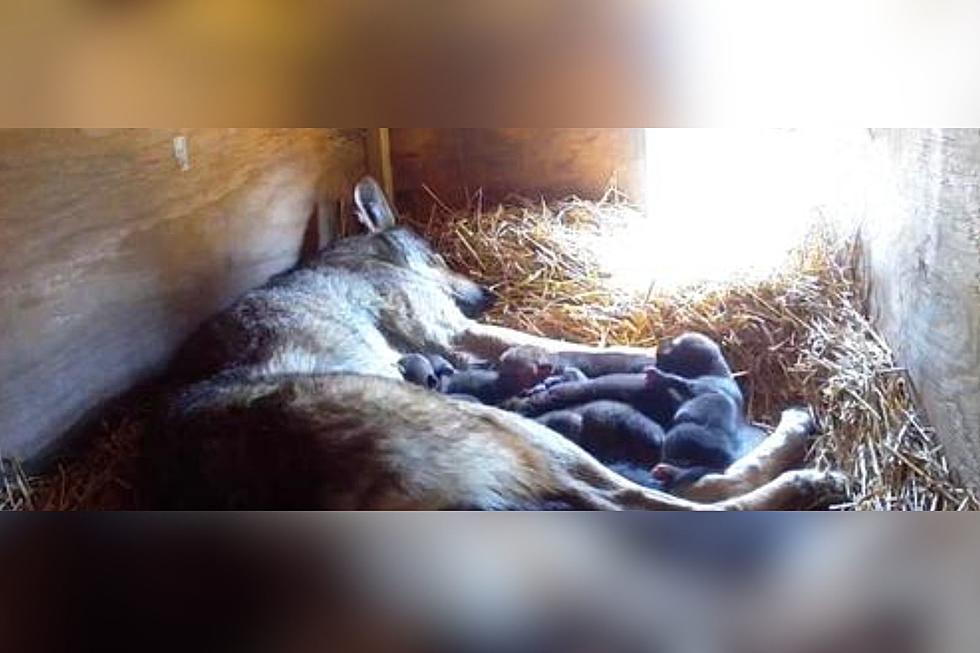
{"x":113,"y":251}
{"x":922,"y":228}
{"x":532,"y":162}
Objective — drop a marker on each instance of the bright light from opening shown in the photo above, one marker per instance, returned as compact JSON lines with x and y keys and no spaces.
{"x":732,"y":203}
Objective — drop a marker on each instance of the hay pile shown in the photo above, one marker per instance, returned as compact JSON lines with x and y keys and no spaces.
{"x":104,"y":475}
{"x":797,"y":336}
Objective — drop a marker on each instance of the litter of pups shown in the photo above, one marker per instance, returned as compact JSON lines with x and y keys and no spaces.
{"x":663,"y":422}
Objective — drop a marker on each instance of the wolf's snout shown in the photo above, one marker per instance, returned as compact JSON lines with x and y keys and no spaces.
{"x":473,"y":299}
{"x":488,"y":299}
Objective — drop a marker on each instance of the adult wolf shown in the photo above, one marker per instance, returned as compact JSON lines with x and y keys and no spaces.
{"x":293,"y":398}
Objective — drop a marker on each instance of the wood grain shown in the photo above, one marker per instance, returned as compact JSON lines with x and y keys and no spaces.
{"x":455,"y":163}
{"x":922,"y":235}
{"x":379,"y":158}
{"x":112,"y":253}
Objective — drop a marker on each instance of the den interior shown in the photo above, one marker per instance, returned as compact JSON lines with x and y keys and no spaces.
{"x":837,"y":269}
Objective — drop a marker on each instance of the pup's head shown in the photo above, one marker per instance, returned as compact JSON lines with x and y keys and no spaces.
{"x":692,"y":355}
{"x":526,"y":366}
{"x":417,"y":369}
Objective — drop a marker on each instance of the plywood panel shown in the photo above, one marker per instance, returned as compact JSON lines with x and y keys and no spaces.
{"x":532,"y":162}
{"x":113,"y":250}
{"x":923,"y":256}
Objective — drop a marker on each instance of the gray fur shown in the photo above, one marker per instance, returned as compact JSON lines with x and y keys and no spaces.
{"x":358,"y":307}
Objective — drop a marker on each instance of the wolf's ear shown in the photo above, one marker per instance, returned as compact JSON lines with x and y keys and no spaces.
{"x":373,"y":209}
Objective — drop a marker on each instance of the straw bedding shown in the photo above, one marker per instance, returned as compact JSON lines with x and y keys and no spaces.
{"x":797,"y":336}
